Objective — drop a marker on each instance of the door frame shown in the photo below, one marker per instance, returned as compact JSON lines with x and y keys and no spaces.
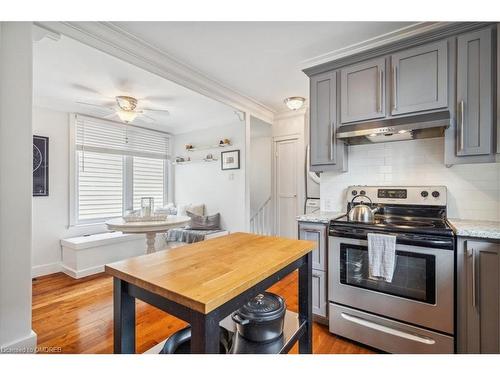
{"x":299,"y":181}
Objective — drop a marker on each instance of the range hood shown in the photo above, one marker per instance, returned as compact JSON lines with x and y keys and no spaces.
{"x":428,"y":125}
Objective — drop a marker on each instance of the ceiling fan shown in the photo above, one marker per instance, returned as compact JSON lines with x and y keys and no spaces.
{"x":125,"y":107}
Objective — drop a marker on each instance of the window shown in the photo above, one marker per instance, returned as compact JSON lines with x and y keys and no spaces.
{"x":100,"y":185}
{"x":148,"y":180}
{"x":116,"y":165}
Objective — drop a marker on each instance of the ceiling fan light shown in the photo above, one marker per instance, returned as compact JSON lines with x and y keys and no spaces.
{"x":295,"y":102}
{"x":127,"y":103}
{"x":126,"y":116}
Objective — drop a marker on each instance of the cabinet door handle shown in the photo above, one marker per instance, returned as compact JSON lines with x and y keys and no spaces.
{"x":472,"y":255}
{"x":394,"y":88}
{"x":380,"y":90}
{"x":330,"y":144}
{"x":461,"y":108}
{"x":388,"y":330}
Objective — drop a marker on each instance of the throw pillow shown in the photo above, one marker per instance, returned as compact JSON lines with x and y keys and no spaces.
{"x":210,"y":222}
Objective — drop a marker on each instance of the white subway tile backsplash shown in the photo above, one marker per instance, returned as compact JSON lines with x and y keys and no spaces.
{"x":473,"y":189}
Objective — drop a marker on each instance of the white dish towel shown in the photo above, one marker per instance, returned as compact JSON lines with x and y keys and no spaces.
{"x":381,"y":256}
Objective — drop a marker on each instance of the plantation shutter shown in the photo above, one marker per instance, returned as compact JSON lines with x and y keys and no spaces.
{"x":101,"y":147}
{"x":97,"y":135}
{"x":100,"y":186}
{"x":148,"y":177}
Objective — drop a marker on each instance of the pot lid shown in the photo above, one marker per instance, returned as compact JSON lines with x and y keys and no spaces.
{"x":264,"y":306}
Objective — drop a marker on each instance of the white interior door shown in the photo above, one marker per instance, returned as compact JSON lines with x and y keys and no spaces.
{"x":286,"y":187}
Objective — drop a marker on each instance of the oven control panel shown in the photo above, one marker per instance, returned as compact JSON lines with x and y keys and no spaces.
{"x":392,"y":193}
{"x":404,"y":195}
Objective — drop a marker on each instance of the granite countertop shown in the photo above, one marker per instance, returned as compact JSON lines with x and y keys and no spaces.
{"x":323,"y":217}
{"x":475,"y":228}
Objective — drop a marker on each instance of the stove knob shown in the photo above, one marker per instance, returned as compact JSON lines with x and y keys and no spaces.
{"x":424,"y":194}
{"x":362,"y":192}
{"x":435,"y":194}
{"x":354,"y":192}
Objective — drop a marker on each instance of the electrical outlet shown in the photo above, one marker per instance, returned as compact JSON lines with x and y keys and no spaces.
{"x":329,"y":204}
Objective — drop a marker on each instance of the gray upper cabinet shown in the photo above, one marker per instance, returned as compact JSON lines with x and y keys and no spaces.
{"x":362,"y":89}
{"x":474,"y":94}
{"x":498,"y":90}
{"x":327,"y":154}
{"x":454,"y":68}
{"x":323,"y":92}
{"x":419,"y":79}
{"x":478,"y":296}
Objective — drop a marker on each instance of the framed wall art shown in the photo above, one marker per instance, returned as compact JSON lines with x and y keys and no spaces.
{"x":230,"y":160}
{"x":40,"y":166}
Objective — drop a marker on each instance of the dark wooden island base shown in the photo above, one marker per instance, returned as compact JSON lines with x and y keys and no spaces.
{"x":205,"y":282}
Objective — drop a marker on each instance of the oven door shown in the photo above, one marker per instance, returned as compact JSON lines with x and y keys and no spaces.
{"x":421,"y":291}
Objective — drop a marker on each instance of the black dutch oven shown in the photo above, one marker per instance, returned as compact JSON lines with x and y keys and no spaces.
{"x":261,"y":319}
{"x":180,"y":342}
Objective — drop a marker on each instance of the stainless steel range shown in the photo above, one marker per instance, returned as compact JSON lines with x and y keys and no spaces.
{"x":414,"y":313}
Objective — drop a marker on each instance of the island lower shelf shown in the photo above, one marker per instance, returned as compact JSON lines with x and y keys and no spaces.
{"x":293,"y":329}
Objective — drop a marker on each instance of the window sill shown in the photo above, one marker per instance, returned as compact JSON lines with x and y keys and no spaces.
{"x":87,"y":225}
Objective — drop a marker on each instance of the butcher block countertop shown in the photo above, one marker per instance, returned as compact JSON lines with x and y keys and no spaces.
{"x":204,"y":275}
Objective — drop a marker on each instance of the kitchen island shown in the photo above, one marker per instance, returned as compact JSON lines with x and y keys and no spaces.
{"x":204,"y":282}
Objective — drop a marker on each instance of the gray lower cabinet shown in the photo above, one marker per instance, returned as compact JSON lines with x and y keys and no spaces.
{"x":326,"y":153}
{"x":317,"y":232}
{"x":478,"y":297}
{"x":474,"y":94}
{"x":319,"y":299}
{"x":362,"y":88}
{"x":420,"y":79}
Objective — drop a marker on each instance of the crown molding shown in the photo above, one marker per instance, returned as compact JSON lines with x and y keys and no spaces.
{"x":413,"y":35}
{"x":113,"y":40}
{"x":377,"y":41}
{"x":40,"y":32}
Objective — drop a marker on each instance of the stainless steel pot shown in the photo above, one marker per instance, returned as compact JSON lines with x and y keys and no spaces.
{"x":261,"y":319}
{"x":361,"y":212}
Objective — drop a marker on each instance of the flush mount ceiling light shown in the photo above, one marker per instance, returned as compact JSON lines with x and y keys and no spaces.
{"x":295,"y":102}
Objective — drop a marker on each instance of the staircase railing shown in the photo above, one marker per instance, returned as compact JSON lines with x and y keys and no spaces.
{"x":262,"y":221}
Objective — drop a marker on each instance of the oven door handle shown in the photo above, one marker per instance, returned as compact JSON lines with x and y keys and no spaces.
{"x":430,"y":242}
{"x":388,"y":330}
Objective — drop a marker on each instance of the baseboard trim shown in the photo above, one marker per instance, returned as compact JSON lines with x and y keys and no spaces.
{"x":46,"y":269}
{"x":25,"y":345}
{"x":321,"y":320}
{"x":82,"y":273}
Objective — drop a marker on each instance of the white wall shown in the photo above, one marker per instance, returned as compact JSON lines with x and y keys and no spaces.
{"x":260,"y":164}
{"x":220,"y":191}
{"x":473,"y":190}
{"x":16,"y":160}
{"x":51,"y":214}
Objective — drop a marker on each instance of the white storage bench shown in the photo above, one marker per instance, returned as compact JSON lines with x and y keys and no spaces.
{"x":86,"y":255}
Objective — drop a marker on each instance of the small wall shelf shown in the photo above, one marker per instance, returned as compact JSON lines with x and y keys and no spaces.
{"x":209,"y":147}
{"x":193,"y":161}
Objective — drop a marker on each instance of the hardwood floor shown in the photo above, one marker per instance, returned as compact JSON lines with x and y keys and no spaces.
{"x":77,"y":317}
